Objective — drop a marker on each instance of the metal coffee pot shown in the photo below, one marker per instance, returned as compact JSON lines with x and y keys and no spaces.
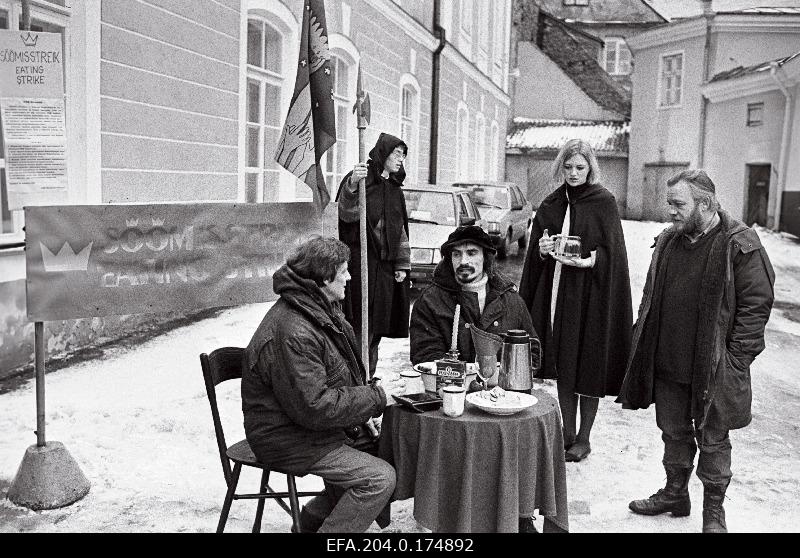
{"x":519,"y":360}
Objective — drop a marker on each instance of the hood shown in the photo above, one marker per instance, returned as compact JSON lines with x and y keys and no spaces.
{"x":383,"y":148}
{"x":304,"y":295}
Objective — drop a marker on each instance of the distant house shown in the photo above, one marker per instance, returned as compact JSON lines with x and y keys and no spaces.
{"x":752,"y":119}
{"x":694,"y":82}
{"x":611,"y":21}
{"x":561,"y":92}
{"x":532,"y":145}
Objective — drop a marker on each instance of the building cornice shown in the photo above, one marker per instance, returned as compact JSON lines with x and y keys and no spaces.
{"x":455,"y":56}
{"x":754,"y":84}
{"x":720,"y":23}
{"x":665,"y":34}
{"x":409,"y":25}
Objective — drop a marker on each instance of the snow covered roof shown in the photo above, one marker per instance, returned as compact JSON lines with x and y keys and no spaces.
{"x":605,"y":136}
{"x":740,"y":71}
{"x":679,"y":9}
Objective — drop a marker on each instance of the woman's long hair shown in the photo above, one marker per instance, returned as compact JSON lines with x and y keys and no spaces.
{"x":576,"y":147}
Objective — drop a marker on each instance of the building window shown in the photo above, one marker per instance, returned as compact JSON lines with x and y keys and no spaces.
{"x":498,"y":41}
{"x":483,"y":40}
{"x":616,"y":57}
{"x":465,"y":28}
{"x":671,"y":80}
{"x":480,"y":147}
{"x":755,"y":114}
{"x":576,"y":2}
{"x":462,"y":138}
{"x":336,"y":157}
{"x":45,"y":20}
{"x":494,"y":148}
{"x":409,"y":104}
{"x":264,"y":83}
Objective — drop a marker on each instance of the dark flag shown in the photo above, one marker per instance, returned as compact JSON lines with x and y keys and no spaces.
{"x":310,"y":127}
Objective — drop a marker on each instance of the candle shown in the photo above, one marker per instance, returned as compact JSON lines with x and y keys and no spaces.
{"x":454,"y":340}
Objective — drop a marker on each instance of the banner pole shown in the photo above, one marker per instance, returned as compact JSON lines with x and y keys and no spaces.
{"x":38,"y":348}
{"x":362,"y":110}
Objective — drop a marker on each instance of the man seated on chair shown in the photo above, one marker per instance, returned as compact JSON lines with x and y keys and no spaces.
{"x":489,"y":301}
{"x":303,"y":384}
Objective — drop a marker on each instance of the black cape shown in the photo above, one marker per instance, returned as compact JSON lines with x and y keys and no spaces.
{"x":588,"y":345}
{"x":389,"y":300}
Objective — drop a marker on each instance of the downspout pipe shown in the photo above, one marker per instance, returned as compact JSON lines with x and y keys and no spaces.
{"x":440,"y":34}
{"x":783,"y":157}
{"x":708,"y":13}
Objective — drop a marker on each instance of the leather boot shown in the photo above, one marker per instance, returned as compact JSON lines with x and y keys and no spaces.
{"x":713,"y":512}
{"x":674,"y":497}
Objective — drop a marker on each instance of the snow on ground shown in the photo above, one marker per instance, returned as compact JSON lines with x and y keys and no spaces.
{"x":137,"y":421}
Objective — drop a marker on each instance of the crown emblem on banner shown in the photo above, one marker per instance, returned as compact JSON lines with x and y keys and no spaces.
{"x":29,"y":40}
{"x":66,"y":259}
{"x":132,"y":223}
{"x":157,"y":222}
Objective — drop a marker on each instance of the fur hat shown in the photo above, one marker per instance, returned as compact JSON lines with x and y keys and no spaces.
{"x":468,"y":233}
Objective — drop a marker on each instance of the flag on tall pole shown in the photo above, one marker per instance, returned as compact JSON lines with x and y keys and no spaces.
{"x":310,"y":127}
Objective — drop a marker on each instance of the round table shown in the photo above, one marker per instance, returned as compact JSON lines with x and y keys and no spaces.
{"x":479,"y":472}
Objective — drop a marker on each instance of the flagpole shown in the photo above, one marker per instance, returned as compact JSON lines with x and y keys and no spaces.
{"x":363,"y":116}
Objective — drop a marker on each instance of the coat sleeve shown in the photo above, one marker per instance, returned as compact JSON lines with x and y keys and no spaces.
{"x":313,"y":396}
{"x":348,"y":200}
{"x":753,"y":279}
{"x":428,"y":342}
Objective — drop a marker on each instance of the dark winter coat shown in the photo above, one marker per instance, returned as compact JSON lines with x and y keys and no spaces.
{"x":303,"y":383}
{"x":736,"y":299}
{"x":387,"y":246}
{"x":432,"y":316}
{"x":587,"y":346}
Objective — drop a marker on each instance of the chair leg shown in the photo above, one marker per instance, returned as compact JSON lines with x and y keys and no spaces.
{"x":226,"y":506}
{"x":260,"y":507}
{"x":293,"y":502}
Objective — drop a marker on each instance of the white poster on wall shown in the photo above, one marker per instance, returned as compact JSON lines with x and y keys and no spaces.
{"x":32,"y":117}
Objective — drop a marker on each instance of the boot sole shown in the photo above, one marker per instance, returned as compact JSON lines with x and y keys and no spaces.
{"x":674,"y":512}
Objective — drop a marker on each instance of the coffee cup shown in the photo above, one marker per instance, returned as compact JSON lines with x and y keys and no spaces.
{"x":413,"y":380}
{"x":453,"y":400}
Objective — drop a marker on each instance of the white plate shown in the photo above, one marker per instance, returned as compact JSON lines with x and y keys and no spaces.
{"x":512,"y":403}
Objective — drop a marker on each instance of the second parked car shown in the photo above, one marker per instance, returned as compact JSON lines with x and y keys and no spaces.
{"x":507,"y":214}
{"x":433,"y":213}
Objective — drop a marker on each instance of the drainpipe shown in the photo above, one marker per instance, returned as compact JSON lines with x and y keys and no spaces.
{"x":783,"y":157}
{"x":439,"y":32}
{"x":708,"y":13}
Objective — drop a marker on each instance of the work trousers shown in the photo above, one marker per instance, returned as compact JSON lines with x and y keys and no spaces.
{"x":357,"y":485}
{"x":682,"y":438}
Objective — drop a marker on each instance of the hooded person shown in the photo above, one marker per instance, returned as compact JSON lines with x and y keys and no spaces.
{"x":388,"y":252}
{"x":581,"y":306}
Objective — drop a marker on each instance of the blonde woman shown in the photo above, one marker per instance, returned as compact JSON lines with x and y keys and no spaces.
{"x":581,"y":305}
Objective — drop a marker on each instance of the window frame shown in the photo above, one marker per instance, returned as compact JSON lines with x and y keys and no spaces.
{"x":618,"y":43}
{"x":750,"y":122}
{"x":661,"y":84}
{"x":50,"y":14}
{"x":466,"y":19}
{"x":411,"y":164}
{"x":480,"y":147}
{"x":462,"y":141}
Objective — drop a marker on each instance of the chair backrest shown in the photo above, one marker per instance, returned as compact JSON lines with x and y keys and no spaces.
{"x":223,"y":364}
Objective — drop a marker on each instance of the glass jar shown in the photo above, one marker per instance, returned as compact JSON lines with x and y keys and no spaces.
{"x":568,"y":246}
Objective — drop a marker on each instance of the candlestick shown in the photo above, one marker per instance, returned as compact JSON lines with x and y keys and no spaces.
{"x":454,"y":340}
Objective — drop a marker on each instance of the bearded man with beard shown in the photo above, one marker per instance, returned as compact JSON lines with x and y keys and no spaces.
{"x":705,"y":304}
{"x":466,"y":275}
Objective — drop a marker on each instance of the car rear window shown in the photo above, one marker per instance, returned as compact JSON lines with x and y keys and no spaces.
{"x":430,"y":207}
{"x":491,"y":197}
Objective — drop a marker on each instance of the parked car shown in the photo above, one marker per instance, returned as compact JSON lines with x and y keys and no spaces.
{"x":433,"y":213}
{"x":506,"y":212}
